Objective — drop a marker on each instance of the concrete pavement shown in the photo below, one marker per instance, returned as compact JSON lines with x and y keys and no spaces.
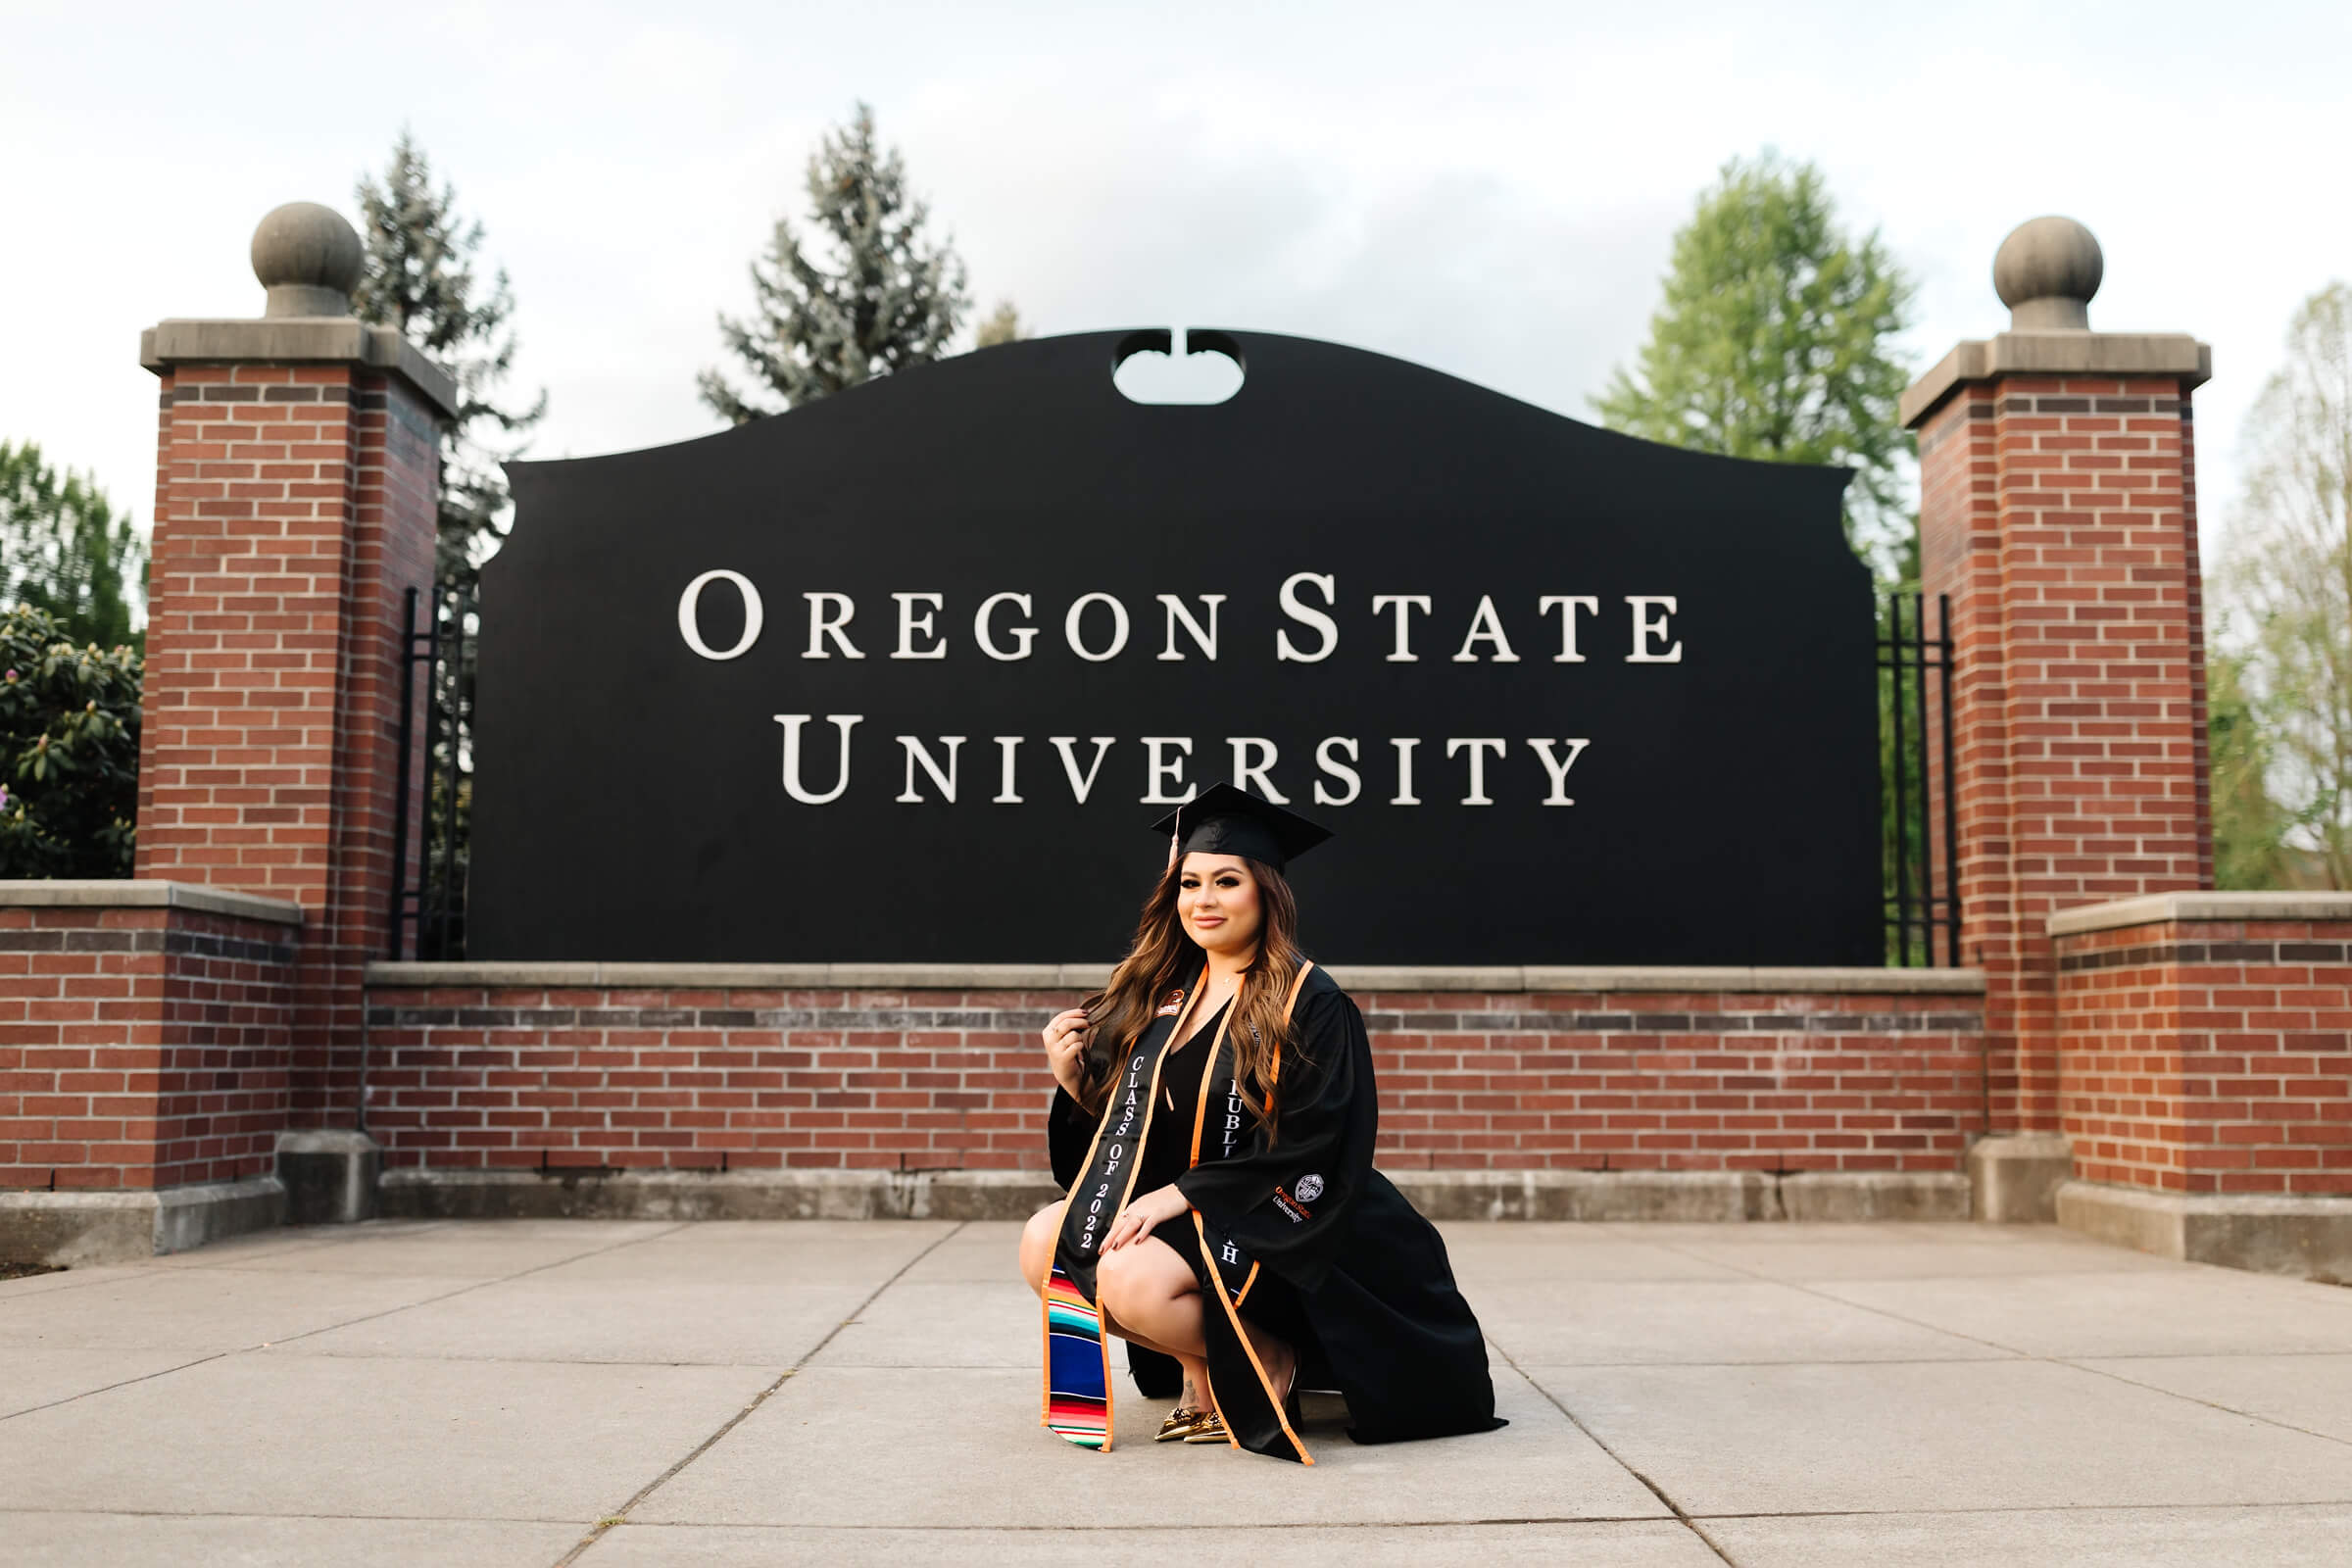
{"x":636,"y":1392}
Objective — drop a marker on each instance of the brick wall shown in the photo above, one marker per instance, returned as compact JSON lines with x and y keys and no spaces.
{"x":2210,"y":1055}
{"x":141,"y":1046}
{"x":2058,"y":512}
{"x":487,"y":1076}
{"x":237,"y":751}
{"x":294,"y":504}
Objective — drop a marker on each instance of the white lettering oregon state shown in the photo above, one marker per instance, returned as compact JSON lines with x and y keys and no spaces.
{"x":1649,"y":633}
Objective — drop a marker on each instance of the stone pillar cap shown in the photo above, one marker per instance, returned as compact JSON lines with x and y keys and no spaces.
{"x":308,"y":259}
{"x":2046,"y":272}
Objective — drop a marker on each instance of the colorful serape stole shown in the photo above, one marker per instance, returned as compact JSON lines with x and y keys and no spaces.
{"x":1077,"y":1392}
{"x":1077,"y":1371}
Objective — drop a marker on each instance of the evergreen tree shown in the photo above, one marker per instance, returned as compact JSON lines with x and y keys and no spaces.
{"x":879,"y":296}
{"x":63,"y":551}
{"x":422,"y":277}
{"x":1774,"y":342}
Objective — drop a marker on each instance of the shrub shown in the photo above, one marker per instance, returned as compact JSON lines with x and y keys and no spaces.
{"x":69,"y":751}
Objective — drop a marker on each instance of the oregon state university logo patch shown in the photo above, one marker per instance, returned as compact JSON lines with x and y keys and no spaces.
{"x":1293,"y":1207}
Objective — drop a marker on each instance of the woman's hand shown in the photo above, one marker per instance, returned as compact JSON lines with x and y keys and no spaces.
{"x":1066,"y":1041}
{"x":1146,"y":1214}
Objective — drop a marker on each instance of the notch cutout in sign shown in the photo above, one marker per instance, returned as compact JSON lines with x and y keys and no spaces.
{"x":1148,"y":368}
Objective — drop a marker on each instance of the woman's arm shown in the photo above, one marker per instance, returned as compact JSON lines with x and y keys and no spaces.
{"x":1069,"y":1133}
{"x":1286,"y":1201}
{"x":1068,"y":1128}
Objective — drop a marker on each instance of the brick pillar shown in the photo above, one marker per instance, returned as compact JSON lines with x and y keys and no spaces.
{"x":2058,"y":509}
{"x":297,"y":463}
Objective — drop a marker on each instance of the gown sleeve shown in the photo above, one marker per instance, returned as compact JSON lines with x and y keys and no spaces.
{"x":1068,"y":1132}
{"x":1287,"y":1202}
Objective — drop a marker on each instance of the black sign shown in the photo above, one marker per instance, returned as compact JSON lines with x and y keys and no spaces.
{"x":902,"y":675}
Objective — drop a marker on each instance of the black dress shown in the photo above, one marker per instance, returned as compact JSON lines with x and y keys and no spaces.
{"x":1167,"y":1148}
{"x":1352,"y":1276}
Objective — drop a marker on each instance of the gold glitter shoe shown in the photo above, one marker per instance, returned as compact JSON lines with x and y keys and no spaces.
{"x":1211,"y":1428}
{"x":1180,"y":1426}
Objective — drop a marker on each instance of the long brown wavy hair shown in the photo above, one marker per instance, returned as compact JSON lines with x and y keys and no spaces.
{"x":1164,"y":958}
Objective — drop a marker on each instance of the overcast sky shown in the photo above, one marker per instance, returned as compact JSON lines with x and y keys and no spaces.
{"x":1487,"y":188}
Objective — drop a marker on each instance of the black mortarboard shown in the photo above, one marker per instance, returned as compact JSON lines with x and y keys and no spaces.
{"x":1227,"y":820}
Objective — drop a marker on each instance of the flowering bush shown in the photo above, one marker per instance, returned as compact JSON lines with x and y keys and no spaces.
{"x":69,"y":751}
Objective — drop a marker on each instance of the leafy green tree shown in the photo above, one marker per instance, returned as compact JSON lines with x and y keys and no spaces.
{"x":423,"y":276}
{"x":1004,"y":324}
{"x":2289,"y":580}
{"x":876,"y":297}
{"x":2248,"y":827}
{"x":1775,"y":341}
{"x":69,"y":751}
{"x":63,"y":551}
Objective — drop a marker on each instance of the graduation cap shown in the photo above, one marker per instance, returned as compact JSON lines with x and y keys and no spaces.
{"x":1227,"y":820}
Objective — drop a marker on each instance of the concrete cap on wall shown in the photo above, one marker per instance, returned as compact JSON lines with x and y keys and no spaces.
{"x":2046,"y":272}
{"x":308,"y":259}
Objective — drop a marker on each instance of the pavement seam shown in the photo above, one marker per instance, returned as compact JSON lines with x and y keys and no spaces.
{"x":1595,"y":1438}
{"x":2018,"y":1353}
{"x":295,"y":1246}
{"x":370,"y":1317}
{"x":2227,"y":1410}
{"x":156,"y":1269}
{"x":84,"y":1285}
{"x":597,"y":1532}
{"x":125,"y":1383}
{"x":1889,"y":1313}
{"x":468,"y":1289}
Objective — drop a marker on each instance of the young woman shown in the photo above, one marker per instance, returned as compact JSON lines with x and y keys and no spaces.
{"x":1213,"y":1126}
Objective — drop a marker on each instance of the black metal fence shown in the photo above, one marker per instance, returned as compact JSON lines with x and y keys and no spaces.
{"x":1920,"y":858}
{"x":1920,"y":865}
{"x":428,"y":889}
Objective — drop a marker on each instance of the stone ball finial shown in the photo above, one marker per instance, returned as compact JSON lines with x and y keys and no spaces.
{"x":309,"y":258}
{"x":2046,"y":272}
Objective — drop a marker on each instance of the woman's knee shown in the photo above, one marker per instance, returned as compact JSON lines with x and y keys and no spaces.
{"x":1038,"y":1238}
{"x":1115,"y":1282}
{"x":1137,"y":1278}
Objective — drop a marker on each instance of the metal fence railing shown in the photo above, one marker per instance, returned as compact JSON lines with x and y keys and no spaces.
{"x":1919,"y":873}
{"x":1920,"y":865}
{"x":428,"y":889}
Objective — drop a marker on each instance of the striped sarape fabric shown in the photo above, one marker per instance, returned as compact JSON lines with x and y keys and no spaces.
{"x":1077,"y":1371}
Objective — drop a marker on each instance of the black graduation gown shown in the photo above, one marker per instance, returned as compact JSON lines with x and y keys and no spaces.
{"x":1387,"y":1326}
